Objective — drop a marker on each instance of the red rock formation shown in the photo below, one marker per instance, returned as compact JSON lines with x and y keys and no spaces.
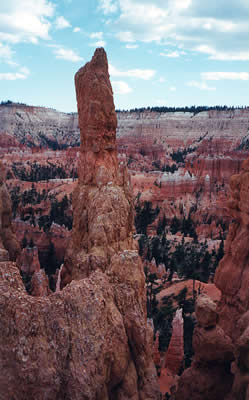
{"x":216,"y":345}
{"x":175,"y":354}
{"x":103,"y":223}
{"x":208,"y":377}
{"x":28,"y":263}
{"x":57,"y":235}
{"x":90,"y":340}
{"x":9,"y":247}
{"x":103,"y":205}
{"x":28,"y":260}
{"x":40,"y":284}
{"x":72,"y":344}
{"x":232,"y":276}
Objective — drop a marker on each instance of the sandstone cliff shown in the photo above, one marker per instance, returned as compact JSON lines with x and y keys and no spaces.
{"x":35,"y":126}
{"x":91,"y":339}
{"x":220,"y":369}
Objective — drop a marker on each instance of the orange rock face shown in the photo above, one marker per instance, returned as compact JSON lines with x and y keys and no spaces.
{"x":220,"y":368}
{"x":232,"y":276}
{"x":102,"y":240}
{"x":175,"y":354}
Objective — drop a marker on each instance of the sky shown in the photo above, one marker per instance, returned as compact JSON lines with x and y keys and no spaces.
{"x":160,"y":53}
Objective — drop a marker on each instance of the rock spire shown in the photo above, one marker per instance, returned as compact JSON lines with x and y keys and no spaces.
{"x":90,"y":340}
{"x":102,"y":202}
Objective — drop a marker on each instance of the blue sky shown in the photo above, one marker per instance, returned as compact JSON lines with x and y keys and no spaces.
{"x":161,"y":52}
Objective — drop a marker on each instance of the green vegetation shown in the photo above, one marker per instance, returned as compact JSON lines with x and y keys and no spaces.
{"x":57,"y":215}
{"x":165,"y":167}
{"x":185,"y":225}
{"x":191,"y":109}
{"x":180,"y":155}
{"x":190,"y":260}
{"x":36,"y":172}
{"x":145,"y":215}
{"x":60,"y":211}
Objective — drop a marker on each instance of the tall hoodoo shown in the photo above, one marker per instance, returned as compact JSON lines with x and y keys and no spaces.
{"x":103,"y":224}
{"x":103,"y":203}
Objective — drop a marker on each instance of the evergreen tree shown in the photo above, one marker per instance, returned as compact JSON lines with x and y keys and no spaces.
{"x":24,"y":242}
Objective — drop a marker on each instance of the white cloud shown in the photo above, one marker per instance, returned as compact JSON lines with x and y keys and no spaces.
{"x":61,"y":23}
{"x":173,"y":54}
{"x":66,"y":54}
{"x":221,"y":55}
{"x":162,"y":80}
{"x":131,"y":46}
{"x":25,"y":21}
{"x":108,"y":6}
{"x":96,"y":35}
{"x":217,"y":28}
{"x":172,"y":88}
{"x":125,"y":36}
{"x":217,"y":76}
{"x":6,"y":55}
{"x":200,"y":85}
{"x":121,"y":87}
{"x":76,"y":29}
{"x":23,"y":73}
{"x":145,"y":74}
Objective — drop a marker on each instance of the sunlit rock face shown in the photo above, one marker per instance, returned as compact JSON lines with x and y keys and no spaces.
{"x":103,"y":202}
{"x":102,"y":240}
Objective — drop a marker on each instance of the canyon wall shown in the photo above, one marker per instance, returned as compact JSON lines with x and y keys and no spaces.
{"x":220,"y":367}
{"x":22,"y":125}
{"x":9,"y":246}
{"x":205,"y":149}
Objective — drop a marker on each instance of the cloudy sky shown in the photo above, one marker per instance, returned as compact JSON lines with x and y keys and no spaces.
{"x":161,"y":52}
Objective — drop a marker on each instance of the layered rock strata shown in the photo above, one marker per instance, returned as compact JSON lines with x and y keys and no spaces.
{"x":221,"y":339}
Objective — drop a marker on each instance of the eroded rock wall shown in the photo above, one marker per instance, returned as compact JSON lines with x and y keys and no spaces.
{"x":9,"y":247}
{"x":221,"y":339}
